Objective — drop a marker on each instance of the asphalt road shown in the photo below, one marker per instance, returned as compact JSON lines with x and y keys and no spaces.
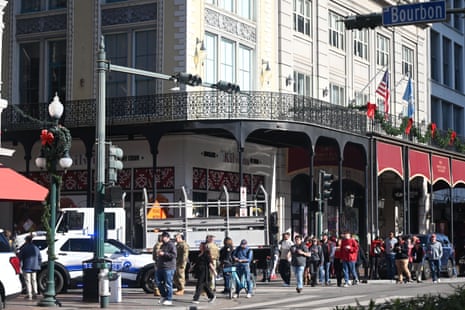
{"x":267,"y":296}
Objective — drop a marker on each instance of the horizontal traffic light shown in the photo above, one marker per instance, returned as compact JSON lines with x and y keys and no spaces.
{"x":227,"y":87}
{"x":187,"y":78}
{"x":360,"y":22}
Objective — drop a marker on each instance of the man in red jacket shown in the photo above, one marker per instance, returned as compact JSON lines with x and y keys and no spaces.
{"x":349,"y":253}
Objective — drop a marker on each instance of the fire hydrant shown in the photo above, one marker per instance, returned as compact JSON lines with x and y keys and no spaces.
{"x":104,"y":287}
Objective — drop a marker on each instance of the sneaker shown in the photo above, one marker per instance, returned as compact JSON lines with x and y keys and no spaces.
{"x":346,"y":284}
{"x":28,"y":297}
{"x":167,"y":303}
{"x":355,"y":282}
{"x":439,"y":280}
{"x":285,"y":284}
{"x":212,"y":300}
{"x":298,"y":290}
{"x":236,"y":295}
{"x":196,"y":302}
{"x":161,"y":300}
{"x":435,"y":282}
{"x":248,"y":295}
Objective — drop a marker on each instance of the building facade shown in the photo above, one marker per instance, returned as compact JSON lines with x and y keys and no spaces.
{"x":305,"y":83}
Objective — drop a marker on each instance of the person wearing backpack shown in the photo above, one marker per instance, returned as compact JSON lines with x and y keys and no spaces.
{"x":226,"y":260}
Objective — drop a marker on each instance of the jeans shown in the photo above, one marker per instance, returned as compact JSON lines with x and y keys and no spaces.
{"x":164,"y":280}
{"x":349,"y":267}
{"x":227,"y":279}
{"x":391,"y":265}
{"x":327,"y":273}
{"x":245,"y":269}
{"x":285,"y":270}
{"x":435,"y":266}
{"x":299,"y":275}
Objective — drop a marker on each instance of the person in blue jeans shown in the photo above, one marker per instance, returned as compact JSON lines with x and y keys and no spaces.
{"x":243,"y":256}
{"x":299,"y":252}
{"x":434,"y":253}
{"x":166,"y":266}
{"x":389,"y":245}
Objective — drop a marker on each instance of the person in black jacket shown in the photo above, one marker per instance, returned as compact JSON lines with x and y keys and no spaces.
{"x":203,"y":267}
{"x":226,"y":260}
{"x":418,"y":258}
{"x":401,"y":259}
{"x":166,"y":266}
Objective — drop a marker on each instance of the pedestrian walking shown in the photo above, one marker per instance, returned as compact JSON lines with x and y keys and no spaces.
{"x":215,"y":254}
{"x":166,"y":266}
{"x":243,"y":257}
{"x":156,"y":247}
{"x":316,"y":260}
{"x":31,"y":259}
{"x":202,"y":268}
{"x":299,"y":253}
{"x":338,"y":270}
{"x":401,"y":259}
{"x":182,"y":256}
{"x":434,"y":254}
{"x":389,"y":244}
{"x":376,"y":252}
{"x":349,"y":248}
{"x":284,"y":266}
{"x":328,"y":248}
{"x":418,"y":258}
{"x":226,"y":261}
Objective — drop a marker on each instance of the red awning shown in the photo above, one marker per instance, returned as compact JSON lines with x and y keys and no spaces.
{"x":418,"y":163}
{"x":389,"y":158}
{"x":14,"y":186}
{"x":458,"y":172}
{"x":441,"y":168}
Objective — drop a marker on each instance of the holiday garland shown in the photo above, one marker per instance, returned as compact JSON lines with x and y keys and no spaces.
{"x":442,"y":139}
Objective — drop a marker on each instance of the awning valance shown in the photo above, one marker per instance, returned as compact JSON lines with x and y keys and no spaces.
{"x":458,"y":172}
{"x":418,"y":164}
{"x":14,"y":186}
{"x":440,"y":167}
{"x":389,"y":158}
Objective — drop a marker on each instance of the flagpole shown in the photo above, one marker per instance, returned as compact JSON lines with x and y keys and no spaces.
{"x":369,"y":82}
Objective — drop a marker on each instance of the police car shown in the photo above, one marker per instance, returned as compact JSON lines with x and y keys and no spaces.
{"x":71,"y":251}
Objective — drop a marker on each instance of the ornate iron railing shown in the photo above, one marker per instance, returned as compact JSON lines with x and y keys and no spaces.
{"x":188,"y":106}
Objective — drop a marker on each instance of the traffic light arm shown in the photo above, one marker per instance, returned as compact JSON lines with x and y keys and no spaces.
{"x":360,"y":22}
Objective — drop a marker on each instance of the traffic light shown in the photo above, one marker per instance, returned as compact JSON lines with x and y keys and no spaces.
{"x":326,"y":181}
{"x":115,"y":155}
{"x":359,"y":22}
{"x":227,"y":87}
{"x":189,"y":79}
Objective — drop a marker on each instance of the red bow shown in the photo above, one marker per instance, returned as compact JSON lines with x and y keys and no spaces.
{"x":433,"y":129}
{"x":371,"y":108}
{"x":46,"y":137}
{"x":409,"y":126}
{"x":453,"y":135}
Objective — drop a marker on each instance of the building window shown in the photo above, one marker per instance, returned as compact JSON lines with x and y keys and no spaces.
{"x":139,"y":44}
{"x":243,"y":8}
{"x":336,"y":94}
{"x":382,"y":50}
{"x":29,"y":76}
{"x":303,"y":84}
{"x":361,"y":43}
{"x":229,"y":61}
{"x":458,"y":66}
{"x":407,"y":61}
{"x":28,"y":6}
{"x":145,"y":60}
{"x":435,"y":75}
{"x":458,"y":20}
{"x":360,"y":99}
{"x":57,"y":68}
{"x":302,"y":16}
{"x":336,"y":31}
{"x":245,"y":68}
{"x":446,"y":62}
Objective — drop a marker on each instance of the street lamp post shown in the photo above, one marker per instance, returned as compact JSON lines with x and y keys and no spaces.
{"x":56,"y":143}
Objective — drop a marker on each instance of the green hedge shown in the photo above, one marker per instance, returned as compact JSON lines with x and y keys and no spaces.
{"x":455,"y":301}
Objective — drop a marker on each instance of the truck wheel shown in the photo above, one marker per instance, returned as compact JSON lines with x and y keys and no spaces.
{"x":148,"y":281}
{"x":43,"y":277}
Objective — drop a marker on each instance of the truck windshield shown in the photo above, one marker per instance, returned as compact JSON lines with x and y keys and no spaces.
{"x":70,"y":221}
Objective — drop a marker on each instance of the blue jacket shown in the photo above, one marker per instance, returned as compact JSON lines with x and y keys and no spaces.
{"x":30,"y":257}
{"x":243,"y":254}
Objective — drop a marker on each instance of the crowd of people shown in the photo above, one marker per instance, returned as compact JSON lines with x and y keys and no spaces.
{"x":171,"y":260}
{"x":316,"y":261}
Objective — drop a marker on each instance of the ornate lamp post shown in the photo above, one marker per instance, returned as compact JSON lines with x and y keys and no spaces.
{"x":56,"y":143}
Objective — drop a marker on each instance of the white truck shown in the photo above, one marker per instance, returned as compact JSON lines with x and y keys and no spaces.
{"x":242,"y":219}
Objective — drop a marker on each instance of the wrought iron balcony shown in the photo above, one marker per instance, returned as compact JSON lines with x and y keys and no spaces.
{"x":193,"y":106}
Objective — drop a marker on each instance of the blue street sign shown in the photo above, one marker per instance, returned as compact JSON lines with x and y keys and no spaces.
{"x":424,"y":12}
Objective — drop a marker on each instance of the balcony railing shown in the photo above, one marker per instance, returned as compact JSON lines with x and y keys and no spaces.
{"x":191,"y":106}
{"x":214,"y":105}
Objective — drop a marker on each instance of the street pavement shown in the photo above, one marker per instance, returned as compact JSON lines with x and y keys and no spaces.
{"x":267,"y":296}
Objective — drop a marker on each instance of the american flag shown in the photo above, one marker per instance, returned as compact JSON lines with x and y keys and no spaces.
{"x":383,"y":91}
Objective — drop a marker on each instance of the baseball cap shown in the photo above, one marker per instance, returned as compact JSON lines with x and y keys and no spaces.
{"x":243,"y":241}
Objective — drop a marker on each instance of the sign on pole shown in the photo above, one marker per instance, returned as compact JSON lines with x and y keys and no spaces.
{"x":417,"y":13}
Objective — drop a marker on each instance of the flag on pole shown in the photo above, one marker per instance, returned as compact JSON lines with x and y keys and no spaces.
{"x":383,"y":91}
{"x":408,"y":96}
